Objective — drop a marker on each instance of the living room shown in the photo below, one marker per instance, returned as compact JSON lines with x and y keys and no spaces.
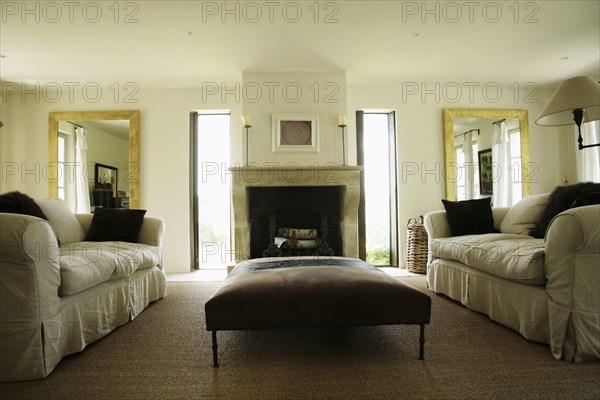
{"x":418,"y":103}
{"x":168,"y":59}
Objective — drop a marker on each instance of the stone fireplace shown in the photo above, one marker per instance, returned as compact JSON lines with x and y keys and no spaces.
{"x":258,"y":191}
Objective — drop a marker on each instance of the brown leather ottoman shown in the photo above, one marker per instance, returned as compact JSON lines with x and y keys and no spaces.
{"x":310,"y":291}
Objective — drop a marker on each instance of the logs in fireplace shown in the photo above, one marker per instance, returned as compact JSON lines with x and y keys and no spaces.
{"x":290,"y":241}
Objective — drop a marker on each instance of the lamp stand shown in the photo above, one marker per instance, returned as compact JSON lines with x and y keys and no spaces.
{"x":578,"y":118}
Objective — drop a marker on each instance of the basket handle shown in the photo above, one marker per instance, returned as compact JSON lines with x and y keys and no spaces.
{"x":412,"y":221}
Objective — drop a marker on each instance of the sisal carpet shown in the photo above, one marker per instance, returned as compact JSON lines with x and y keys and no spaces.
{"x":165,"y":353}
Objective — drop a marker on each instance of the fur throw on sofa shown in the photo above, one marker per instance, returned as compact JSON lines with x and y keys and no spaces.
{"x":564,"y":197}
{"x":20,"y":203}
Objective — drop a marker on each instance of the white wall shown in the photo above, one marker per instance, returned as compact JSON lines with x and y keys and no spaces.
{"x":320,"y":93}
{"x":164,"y":145}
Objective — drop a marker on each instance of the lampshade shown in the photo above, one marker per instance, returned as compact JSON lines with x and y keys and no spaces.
{"x":582,"y":93}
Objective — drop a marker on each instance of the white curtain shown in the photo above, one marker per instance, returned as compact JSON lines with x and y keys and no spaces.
{"x":588,"y":160}
{"x":501,"y":173}
{"x":467,"y":149}
{"x":83,"y":191}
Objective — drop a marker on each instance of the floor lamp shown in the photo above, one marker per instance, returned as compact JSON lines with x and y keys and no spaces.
{"x":575,"y":100}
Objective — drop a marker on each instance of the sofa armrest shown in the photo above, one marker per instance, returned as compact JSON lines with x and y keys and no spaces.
{"x":437,"y":225}
{"x":572,"y":267}
{"x":152,"y":232}
{"x":29,"y":282}
{"x":29,"y":269}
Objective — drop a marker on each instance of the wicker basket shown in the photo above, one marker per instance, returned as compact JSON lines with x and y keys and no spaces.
{"x":416,"y":249}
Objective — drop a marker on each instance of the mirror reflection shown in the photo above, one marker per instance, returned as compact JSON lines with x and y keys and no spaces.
{"x":102,"y":148}
{"x":96,"y":156}
{"x":486,"y":149}
{"x":487,"y":155}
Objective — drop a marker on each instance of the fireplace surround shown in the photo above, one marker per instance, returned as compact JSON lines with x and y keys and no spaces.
{"x":304,"y":185}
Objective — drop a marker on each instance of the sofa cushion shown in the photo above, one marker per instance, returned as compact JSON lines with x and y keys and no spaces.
{"x":470,"y":216}
{"x":130,"y":257}
{"x":62,"y":220}
{"x":112,"y":224}
{"x":524,"y":215}
{"x":83,"y":265}
{"x":518,"y":258}
{"x":86,"y":264}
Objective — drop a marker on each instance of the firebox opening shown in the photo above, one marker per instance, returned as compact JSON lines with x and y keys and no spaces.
{"x":294,"y":207}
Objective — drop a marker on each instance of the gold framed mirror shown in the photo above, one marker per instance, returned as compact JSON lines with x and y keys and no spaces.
{"x":450,"y":115}
{"x":130,"y":173}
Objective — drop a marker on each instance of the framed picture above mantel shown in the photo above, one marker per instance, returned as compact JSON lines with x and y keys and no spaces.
{"x":296,"y":133}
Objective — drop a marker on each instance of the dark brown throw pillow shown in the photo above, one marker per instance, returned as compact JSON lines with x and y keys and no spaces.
{"x":470,"y":217}
{"x":562,"y":198}
{"x":20,"y":203}
{"x":115,"y":225}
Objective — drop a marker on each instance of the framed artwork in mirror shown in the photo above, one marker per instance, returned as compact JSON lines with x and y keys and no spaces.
{"x":106,"y":179}
{"x":296,"y":133}
{"x":485,"y":172}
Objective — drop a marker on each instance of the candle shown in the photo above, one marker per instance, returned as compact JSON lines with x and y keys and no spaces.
{"x":342,"y":121}
{"x":246,"y":122}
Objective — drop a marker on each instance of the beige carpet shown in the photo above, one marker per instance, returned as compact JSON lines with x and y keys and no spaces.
{"x":165,"y":354}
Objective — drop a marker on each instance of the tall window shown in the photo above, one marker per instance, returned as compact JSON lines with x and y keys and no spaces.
{"x":61,"y":165}
{"x":378,"y":211}
{"x":515,"y":163}
{"x":211,"y":201}
{"x":467,"y":182}
{"x":588,"y":160}
{"x":67,"y":164}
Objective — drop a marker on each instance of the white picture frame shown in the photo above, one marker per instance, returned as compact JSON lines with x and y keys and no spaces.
{"x":297,"y":133}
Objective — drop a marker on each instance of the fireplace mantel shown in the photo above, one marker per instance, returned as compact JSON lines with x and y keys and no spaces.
{"x":277,"y":175}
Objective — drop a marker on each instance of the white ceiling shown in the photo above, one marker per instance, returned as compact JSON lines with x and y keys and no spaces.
{"x":175,"y":44}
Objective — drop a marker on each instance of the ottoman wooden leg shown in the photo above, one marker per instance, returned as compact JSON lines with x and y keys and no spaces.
{"x":214,"y":349}
{"x":422,"y":343}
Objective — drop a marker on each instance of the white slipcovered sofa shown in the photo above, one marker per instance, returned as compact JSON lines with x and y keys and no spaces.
{"x":55,"y":300}
{"x":546,"y":289}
